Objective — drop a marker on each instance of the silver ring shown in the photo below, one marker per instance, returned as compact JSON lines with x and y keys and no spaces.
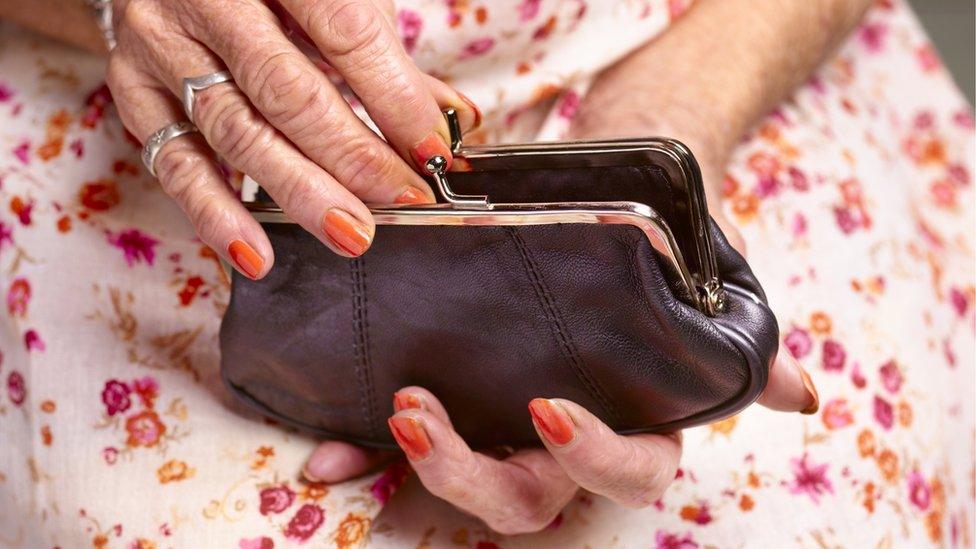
{"x":160,"y":138}
{"x":194,"y":84}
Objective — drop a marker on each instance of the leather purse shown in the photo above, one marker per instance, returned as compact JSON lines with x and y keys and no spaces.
{"x":589,"y":271}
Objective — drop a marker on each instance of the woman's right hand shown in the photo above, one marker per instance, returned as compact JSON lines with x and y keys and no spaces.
{"x":280,"y":120}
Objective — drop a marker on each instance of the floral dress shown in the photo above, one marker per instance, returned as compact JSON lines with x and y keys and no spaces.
{"x":855,"y":198}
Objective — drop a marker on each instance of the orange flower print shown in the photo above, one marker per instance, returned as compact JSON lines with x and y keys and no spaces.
{"x":174,"y":470}
{"x":99,"y":195}
{"x":888,"y":463}
{"x":145,"y":429}
{"x":351,"y":531}
{"x":866,"y":443}
{"x":836,"y":414}
{"x":820,"y":323}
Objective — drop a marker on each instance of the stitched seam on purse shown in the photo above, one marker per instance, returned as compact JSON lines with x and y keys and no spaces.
{"x":566,"y":343}
{"x":360,"y":321}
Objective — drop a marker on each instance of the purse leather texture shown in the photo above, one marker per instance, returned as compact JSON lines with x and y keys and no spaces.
{"x":490,"y":317}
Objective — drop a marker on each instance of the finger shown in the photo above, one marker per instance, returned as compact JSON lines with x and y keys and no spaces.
{"x":296,"y":98}
{"x":305,"y":192}
{"x":631,"y":470}
{"x":469,"y":115}
{"x":335,"y":461}
{"x":789,"y":388}
{"x":358,"y":41}
{"x":521,"y":494}
{"x":188,"y":173}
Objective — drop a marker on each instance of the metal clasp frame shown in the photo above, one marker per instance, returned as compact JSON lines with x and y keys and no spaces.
{"x":704,"y":288}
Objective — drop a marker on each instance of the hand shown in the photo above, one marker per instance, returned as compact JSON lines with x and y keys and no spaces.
{"x":281,"y":121}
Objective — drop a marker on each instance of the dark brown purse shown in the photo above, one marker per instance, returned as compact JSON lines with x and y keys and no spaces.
{"x":589,"y":271}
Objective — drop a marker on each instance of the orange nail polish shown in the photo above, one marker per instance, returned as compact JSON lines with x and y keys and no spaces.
{"x":410,"y":435}
{"x":477,"y":111}
{"x":403,"y":401}
{"x":412,"y":195}
{"x":812,"y":390}
{"x":246,"y":258}
{"x":428,"y":147}
{"x":346,"y":232}
{"x":553,"y":421}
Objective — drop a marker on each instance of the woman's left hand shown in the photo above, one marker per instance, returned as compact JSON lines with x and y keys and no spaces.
{"x":524,"y":491}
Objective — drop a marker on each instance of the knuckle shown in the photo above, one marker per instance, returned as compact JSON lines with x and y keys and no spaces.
{"x":234,"y":130}
{"x":293,"y":193}
{"x":350,"y":25}
{"x":526,"y":515}
{"x":364,"y":165}
{"x":286,"y":89}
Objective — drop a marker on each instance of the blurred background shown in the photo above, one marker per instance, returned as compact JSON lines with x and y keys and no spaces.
{"x":952,"y":26}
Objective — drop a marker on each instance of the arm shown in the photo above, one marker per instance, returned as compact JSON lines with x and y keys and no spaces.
{"x":710,"y":77}
{"x":71,"y":21}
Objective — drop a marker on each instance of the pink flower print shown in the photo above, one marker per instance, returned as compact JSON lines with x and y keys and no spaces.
{"x":836,"y":414}
{"x":799,"y":225}
{"x":305,"y":522}
{"x":569,"y":105}
{"x":873,"y":36}
{"x":16,"y":388}
{"x":891,"y":377}
{"x":33,"y":341}
{"x":477,"y":47}
{"x":798,"y":179}
{"x":927,"y":57}
{"x":964,"y":119}
{"x":148,"y":389}
{"x":409,"y":25}
{"x":110,"y":455}
{"x":276,"y":499}
{"x":115,"y":396}
{"x":18,"y":296}
{"x":22,"y":152}
{"x":834,"y":356}
{"x":388,"y":483}
{"x":6,"y":235}
{"x":918,"y":491}
{"x":959,"y":301}
{"x":5,"y":93}
{"x":667,"y":540}
{"x":810,"y":479}
{"x":857,"y":377}
{"x":135,"y":245}
{"x":262,"y":542}
{"x":798,"y":342}
{"x":528,"y":9}
{"x":884,"y":413}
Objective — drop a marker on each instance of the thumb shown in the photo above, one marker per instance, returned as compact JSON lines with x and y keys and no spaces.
{"x":789,"y":388}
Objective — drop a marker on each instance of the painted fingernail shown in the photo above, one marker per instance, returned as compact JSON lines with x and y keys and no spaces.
{"x":473,"y":107}
{"x":812,"y":391}
{"x":410,"y":435}
{"x":404,"y":401}
{"x":245,"y":258}
{"x":412,"y":195}
{"x":429,"y":147}
{"x":553,"y":421}
{"x":346,"y":232}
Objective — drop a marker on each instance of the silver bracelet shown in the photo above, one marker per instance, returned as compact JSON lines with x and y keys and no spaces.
{"x":103,"y":17}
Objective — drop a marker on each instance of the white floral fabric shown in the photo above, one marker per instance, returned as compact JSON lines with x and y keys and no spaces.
{"x":855,"y":198}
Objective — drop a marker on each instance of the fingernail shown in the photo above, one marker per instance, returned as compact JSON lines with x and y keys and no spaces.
{"x":410,"y":435}
{"x":317,"y":468}
{"x":812,"y":391}
{"x":245,"y":258}
{"x":346,"y":232}
{"x":429,"y":147}
{"x":472,"y":106}
{"x":404,"y":401}
{"x":412,"y":195}
{"x":553,"y":421}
